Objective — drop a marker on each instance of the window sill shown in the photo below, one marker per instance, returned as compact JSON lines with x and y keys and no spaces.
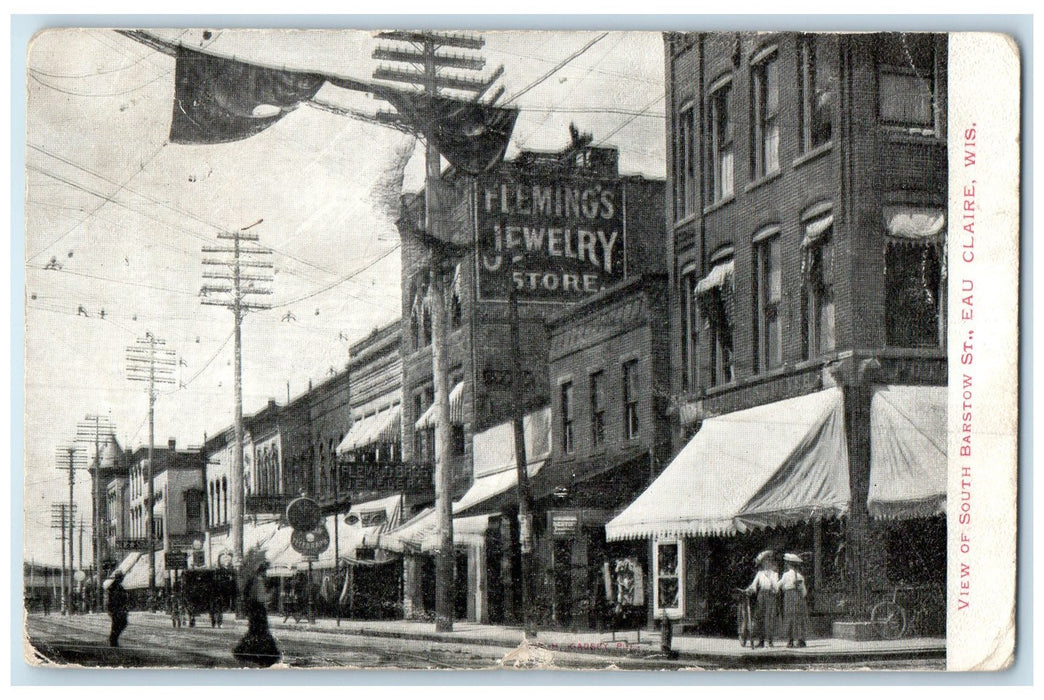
{"x":763,"y":180}
{"x":898,"y":134}
{"x":714,"y":206}
{"x":813,"y":154}
{"x":687,"y":219}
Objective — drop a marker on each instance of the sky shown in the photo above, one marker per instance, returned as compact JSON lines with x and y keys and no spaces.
{"x":116,"y":217}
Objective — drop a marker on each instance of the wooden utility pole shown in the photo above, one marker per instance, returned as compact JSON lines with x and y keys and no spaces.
{"x":70,"y":458}
{"x":144,"y":364}
{"x":525,"y":498}
{"x":423,"y":55}
{"x":242,"y":274}
{"x":92,"y":428}
{"x":60,"y":517}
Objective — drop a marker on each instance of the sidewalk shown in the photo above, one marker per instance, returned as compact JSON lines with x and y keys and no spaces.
{"x":637,"y":643}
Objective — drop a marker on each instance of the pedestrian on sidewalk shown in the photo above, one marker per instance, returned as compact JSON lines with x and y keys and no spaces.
{"x":258,"y":646}
{"x":117,"y":606}
{"x":795,"y":609}
{"x":765,"y":591}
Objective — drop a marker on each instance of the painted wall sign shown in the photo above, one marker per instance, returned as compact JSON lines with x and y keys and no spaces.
{"x":554,"y":239}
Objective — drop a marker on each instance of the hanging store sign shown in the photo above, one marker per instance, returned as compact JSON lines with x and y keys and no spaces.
{"x":310,"y":543}
{"x":175,"y":561}
{"x":387,"y":477}
{"x":303,"y":513}
{"x":554,"y":239}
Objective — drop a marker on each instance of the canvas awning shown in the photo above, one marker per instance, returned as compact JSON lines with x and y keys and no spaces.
{"x":421,"y":534}
{"x":914,"y":224}
{"x":907,"y":452}
{"x":125,"y":566}
{"x":138,"y":575}
{"x":815,"y":230}
{"x":494,"y":449}
{"x":761,"y":467}
{"x":382,"y":427}
{"x":456,"y":398}
{"x":716,"y":278}
{"x":361,"y":527}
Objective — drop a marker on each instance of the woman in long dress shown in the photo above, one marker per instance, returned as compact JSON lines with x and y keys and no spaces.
{"x":765,"y":590}
{"x":258,"y":646}
{"x":795,"y":609}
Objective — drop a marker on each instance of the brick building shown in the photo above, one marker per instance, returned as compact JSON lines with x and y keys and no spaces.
{"x":610,"y":436}
{"x":808,"y":317}
{"x":561,"y":227}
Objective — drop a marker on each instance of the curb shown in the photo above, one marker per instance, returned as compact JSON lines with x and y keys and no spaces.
{"x":632,"y":651}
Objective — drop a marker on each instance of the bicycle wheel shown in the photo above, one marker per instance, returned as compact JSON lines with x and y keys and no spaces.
{"x":889,"y":620}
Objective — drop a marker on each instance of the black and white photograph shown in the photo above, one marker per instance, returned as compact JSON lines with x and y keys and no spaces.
{"x":513,"y":349}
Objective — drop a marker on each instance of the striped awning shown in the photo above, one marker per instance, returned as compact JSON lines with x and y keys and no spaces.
{"x":456,"y":398}
{"x":379,"y":428}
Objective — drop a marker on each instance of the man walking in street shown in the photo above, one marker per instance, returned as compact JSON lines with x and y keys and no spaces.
{"x":117,"y":607}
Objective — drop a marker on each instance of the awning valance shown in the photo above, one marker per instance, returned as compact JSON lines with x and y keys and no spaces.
{"x":914,"y":224}
{"x":762,"y":467}
{"x":907,"y":452}
{"x":379,"y":428}
{"x":720,"y":274}
{"x":456,"y":399}
{"x":494,"y":449}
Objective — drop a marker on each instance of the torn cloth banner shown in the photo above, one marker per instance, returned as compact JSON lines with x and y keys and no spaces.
{"x":218,"y":99}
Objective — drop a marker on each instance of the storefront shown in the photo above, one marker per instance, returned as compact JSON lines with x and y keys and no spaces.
{"x":907,"y":499}
{"x":772,"y":474}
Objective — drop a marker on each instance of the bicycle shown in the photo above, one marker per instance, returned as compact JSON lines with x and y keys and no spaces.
{"x":891,"y":620}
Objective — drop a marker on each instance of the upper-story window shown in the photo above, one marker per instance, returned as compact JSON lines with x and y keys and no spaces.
{"x":720,"y":161}
{"x":817,"y":298}
{"x":630,"y":399}
{"x":685,"y":164}
{"x":764,"y":118}
{"x":915,"y":278}
{"x":818,"y":86}
{"x":768,"y":287}
{"x":598,"y":407}
{"x":568,"y":417}
{"x":715,"y":295}
{"x":690,"y":329}
{"x":908,"y":82}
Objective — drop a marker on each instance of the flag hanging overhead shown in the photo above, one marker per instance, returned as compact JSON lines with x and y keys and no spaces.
{"x":218,"y":99}
{"x":472,"y":136}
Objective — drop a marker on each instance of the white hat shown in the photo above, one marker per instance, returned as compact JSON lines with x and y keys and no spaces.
{"x":792,"y":558}
{"x":762,"y":556}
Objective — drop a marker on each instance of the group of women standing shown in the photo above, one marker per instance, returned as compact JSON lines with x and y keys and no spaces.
{"x":770,"y":594}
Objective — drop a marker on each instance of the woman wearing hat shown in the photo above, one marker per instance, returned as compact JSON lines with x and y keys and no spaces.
{"x":764,"y":590}
{"x":795,"y":611}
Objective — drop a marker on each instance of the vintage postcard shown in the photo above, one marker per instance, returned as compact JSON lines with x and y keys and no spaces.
{"x":521,"y":349}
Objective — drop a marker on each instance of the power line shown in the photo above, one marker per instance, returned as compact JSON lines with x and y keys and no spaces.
{"x":33,"y":74}
{"x":558,"y":66}
{"x":348,"y":277}
{"x":631,"y":119}
{"x":100,"y":205}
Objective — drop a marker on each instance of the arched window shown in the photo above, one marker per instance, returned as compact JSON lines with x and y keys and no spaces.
{"x":224,"y":499}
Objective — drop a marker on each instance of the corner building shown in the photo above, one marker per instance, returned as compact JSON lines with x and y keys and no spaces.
{"x":806,"y":218}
